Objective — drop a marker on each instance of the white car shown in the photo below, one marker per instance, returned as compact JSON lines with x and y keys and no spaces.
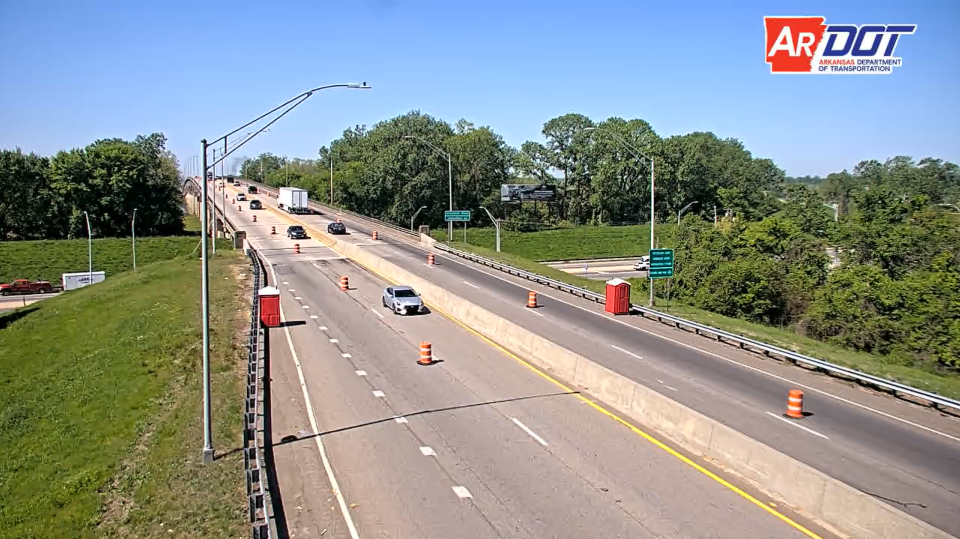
{"x":241,"y":197}
{"x":643,"y":264}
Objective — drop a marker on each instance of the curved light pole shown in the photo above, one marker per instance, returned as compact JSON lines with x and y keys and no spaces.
{"x":89,"y":249}
{"x":640,"y":156}
{"x":449,"y":177}
{"x":496,"y":224}
{"x":415,"y":216}
{"x":685,"y":208}
{"x":205,"y":264}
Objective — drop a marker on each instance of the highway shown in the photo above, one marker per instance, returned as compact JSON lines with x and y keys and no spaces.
{"x":901,"y":453}
{"x":478,"y":445}
{"x":9,"y":303}
{"x":602,"y":269}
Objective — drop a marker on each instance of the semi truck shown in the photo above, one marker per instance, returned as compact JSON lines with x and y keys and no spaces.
{"x":293,"y":200}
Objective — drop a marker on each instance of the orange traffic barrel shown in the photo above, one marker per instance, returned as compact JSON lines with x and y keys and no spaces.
{"x":374,"y":235}
{"x":426,"y":354}
{"x":239,"y":207}
{"x":338,"y":220}
{"x":296,"y":248}
{"x":344,"y":283}
{"x":795,"y":404}
{"x":532,"y":300}
{"x":254,"y":218}
{"x":430,"y":259}
{"x":273,"y":230}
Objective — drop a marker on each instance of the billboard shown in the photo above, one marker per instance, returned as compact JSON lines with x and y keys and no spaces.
{"x":527,"y":193}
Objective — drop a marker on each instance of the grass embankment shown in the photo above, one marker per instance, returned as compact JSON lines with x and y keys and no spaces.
{"x":943,"y":384}
{"x":100,"y":408}
{"x":567,"y":243}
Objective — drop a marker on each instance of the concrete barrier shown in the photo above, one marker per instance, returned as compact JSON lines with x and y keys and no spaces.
{"x":837,"y":506}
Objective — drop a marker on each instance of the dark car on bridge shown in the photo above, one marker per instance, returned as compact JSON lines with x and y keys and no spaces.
{"x":336,"y":228}
{"x":256,"y":205}
{"x":296,"y":232}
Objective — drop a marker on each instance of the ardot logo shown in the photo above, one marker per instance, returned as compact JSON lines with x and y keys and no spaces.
{"x":797,"y":45}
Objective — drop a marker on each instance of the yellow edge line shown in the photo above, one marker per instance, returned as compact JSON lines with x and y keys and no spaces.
{"x":599,"y":408}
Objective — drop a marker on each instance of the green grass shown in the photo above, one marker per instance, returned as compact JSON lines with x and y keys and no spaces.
{"x":938,"y":382}
{"x":100,"y":399}
{"x":567,"y":243}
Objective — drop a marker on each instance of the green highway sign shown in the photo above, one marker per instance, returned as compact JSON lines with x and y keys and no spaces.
{"x":661,"y":263}
{"x":456,"y":215}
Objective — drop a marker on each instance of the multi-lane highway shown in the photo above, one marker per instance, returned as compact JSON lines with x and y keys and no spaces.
{"x":903,"y":454}
{"x":476,"y":445}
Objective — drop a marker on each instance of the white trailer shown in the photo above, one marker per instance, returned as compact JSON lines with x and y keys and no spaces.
{"x":73,"y":281}
{"x":293,"y":200}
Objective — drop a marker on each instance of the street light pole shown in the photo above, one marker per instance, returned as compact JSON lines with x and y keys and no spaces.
{"x":496,"y":225}
{"x":685,"y":208}
{"x":89,"y":250}
{"x":214,"y":224}
{"x":449,"y":177}
{"x":205,"y":264}
{"x":639,"y":155}
{"x":415,"y":216}
{"x":133,"y":233}
{"x":331,"y":180}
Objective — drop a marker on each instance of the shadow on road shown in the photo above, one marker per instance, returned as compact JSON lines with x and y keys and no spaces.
{"x":291,"y":438}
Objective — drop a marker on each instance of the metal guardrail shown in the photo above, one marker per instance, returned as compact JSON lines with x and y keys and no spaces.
{"x":259,"y":503}
{"x":680,"y":323}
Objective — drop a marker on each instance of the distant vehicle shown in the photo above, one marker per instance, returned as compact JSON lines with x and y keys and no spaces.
{"x":25,"y":286}
{"x":73,"y":281}
{"x":241,"y":197}
{"x":336,"y":228}
{"x":256,"y":205}
{"x":252,"y":189}
{"x":296,"y":232}
{"x":643,"y":264}
{"x":402,"y":300}
{"x":293,"y":200}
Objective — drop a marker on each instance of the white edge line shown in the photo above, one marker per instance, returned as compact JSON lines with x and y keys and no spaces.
{"x":361,"y":373}
{"x":427,"y":451}
{"x":378,"y":394}
{"x":527,"y":430}
{"x":785,"y":420}
{"x":628,"y":352}
{"x":314,"y":316}
{"x":344,"y":509}
{"x":535,"y":312}
{"x":376,"y":313}
{"x":462,"y":492}
{"x":468,"y":283}
{"x":334,"y":341}
{"x":718,"y":356}
{"x":400,"y":419}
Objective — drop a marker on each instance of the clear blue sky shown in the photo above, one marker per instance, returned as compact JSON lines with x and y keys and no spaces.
{"x":77,"y":71}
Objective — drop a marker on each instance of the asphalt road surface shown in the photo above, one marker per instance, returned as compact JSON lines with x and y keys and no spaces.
{"x":477,"y":445}
{"x":906,"y":455}
{"x":601,"y":270}
{"x":9,"y":303}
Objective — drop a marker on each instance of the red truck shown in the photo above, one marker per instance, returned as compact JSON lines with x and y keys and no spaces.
{"x":25,"y":286}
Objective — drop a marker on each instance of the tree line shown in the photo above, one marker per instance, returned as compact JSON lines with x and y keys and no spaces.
{"x":46,"y":197}
{"x":868,"y":259}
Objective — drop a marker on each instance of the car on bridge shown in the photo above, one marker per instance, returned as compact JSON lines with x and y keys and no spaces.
{"x":252,"y":189}
{"x":296,"y":232}
{"x":256,"y":205}
{"x":241,"y":197}
{"x":402,"y":299}
{"x":336,"y":228}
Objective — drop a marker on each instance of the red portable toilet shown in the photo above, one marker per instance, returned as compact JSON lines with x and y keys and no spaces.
{"x":270,"y":307}
{"x":618,"y":297}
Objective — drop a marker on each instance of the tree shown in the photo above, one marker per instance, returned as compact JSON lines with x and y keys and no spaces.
{"x":259,"y":169}
{"x":29,"y":208}
{"x":806,"y":208}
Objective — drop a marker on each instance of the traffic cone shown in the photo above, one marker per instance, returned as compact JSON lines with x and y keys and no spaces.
{"x":426,"y":354}
{"x":374,"y":235}
{"x":344,"y":283}
{"x":273,"y":230}
{"x":532,"y":300}
{"x":430,"y":260}
{"x":254,"y":218}
{"x":795,"y":404}
{"x":296,"y":248}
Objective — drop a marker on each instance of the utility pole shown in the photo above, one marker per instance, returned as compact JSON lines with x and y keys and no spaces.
{"x":205,"y":299}
{"x":133,"y":233}
{"x":214,"y":213}
{"x":331,"y":179}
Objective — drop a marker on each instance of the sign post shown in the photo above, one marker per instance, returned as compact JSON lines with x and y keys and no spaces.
{"x":661,"y":263}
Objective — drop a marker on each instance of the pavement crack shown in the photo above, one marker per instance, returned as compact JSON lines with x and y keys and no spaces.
{"x":905,"y":505}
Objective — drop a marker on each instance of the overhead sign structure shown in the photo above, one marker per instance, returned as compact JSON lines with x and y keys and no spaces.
{"x":661,"y":263}
{"x":527,"y":193}
{"x":456,"y":215}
